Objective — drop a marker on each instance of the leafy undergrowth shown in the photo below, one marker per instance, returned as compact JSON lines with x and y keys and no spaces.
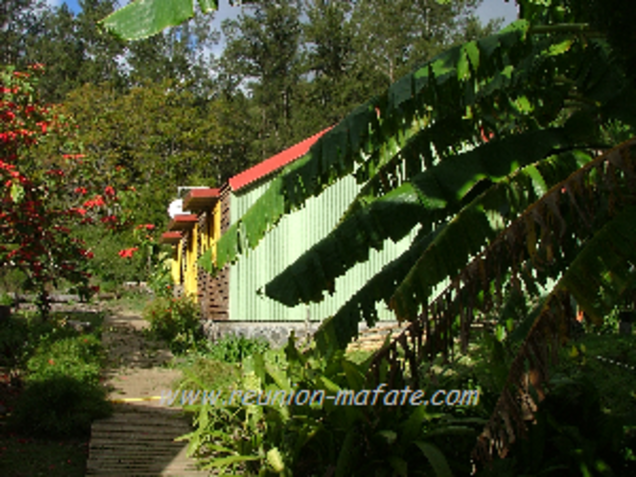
{"x":50,"y":393}
{"x":27,"y":457}
{"x":22,"y":456}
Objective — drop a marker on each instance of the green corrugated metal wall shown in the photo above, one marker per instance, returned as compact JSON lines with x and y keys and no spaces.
{"x":295,"y":234}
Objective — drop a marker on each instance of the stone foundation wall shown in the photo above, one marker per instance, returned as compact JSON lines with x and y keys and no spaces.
{"x":276,"y":333}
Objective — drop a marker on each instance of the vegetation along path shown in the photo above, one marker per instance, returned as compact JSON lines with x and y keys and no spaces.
{"x":138,"y":439}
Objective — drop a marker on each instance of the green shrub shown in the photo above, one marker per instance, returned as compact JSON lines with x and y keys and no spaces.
{"x":78,"y":357}
{"x":14,"y":334}
{"x":22,"y":334}
{"x":234,"y":348}
{"x":160,"y":277}
{"x":207,"y":373}
{"x":62,"y":395}
{"x":176,"y":321}
{"x":283,"y":438}
{"x":61,"y":406}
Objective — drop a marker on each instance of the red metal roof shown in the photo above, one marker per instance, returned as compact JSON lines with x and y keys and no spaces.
{"x":182,"y":222}
{"x":274,"y":163}
{"x":170,"y":237}
{"x":198,"y":199}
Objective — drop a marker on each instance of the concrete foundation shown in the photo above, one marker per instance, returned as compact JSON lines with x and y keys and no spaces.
{"x":276,"y":333}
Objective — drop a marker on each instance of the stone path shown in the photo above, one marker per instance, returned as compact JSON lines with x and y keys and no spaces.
{"x":138,"y":439}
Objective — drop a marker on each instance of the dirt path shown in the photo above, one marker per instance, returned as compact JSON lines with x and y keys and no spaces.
{"x":136,"y":364}
{"x":138,"y":440}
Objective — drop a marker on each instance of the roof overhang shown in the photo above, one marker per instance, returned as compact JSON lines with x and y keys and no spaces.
{"x":170,"y":237}
{"x":182,"y":222}
{"x":200,"y":199}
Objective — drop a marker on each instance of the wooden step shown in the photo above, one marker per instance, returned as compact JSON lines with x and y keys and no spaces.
{"x":140,"y":441}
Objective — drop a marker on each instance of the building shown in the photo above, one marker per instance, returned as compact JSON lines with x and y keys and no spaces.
{"x":233,"y":295}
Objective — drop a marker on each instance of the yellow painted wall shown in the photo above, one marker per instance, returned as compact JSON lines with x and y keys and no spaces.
{"x":175,"y":264}
{"x":184,"y":263}
{"x":190,"y":278}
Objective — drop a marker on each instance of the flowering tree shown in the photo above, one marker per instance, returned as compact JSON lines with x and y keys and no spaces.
{"x":43,"y":188}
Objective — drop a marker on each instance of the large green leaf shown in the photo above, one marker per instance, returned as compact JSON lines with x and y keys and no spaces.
{"x":143,"y":18}
{"x":428,"y":198}
{"x":602,"y":271}
{"x":435,"y":458}
{"x":458,"y":240}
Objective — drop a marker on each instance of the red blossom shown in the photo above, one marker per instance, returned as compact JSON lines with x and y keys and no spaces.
{"x":87,"y":253}
{"x":109,"y":219}
{"x":128,"y":252}
{"x":96,"y":201}
{"x":109,"y":190}
{"x":145,"y":226}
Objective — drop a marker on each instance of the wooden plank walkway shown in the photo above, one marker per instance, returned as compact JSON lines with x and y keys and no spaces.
{"x":139,"y":441}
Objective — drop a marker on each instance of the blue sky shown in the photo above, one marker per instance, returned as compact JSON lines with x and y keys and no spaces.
{"x":489,"y":9}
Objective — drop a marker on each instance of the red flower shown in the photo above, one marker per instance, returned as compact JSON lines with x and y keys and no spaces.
{"x":128,"y":252}
{"x":145,"y":226}
{"x":87,"y":253}
{"x":96,"y":201}
{"x":109,"y":190}
{"x":80,"y":190}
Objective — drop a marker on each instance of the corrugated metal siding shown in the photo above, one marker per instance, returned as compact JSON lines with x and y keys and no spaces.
{"x":295,"y":234}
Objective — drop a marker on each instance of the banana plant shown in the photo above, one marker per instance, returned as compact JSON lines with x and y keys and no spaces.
{"x":489,"y":149}
{"x":506,"y":154}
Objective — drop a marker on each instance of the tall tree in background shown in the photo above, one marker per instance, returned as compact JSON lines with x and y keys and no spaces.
{"x":75,"y":51}
{"x":181,"y":54}
{"x":307,"y":63}
{"x":394,"y":36}
{"x":331,"y":88}
{"x":19,"y":20}
{"x":263,"y":53}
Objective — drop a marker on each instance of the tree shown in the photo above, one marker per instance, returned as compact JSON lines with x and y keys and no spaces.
{"x":263,"y":54}
{"x":331,"y":87}
{"x":159,"y":136}
{"x":180,"y":54}
{"x":19,"y":21}
{"x":75,"y":51}
{"x":388,"y":49}
{"x":40,"y":198}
